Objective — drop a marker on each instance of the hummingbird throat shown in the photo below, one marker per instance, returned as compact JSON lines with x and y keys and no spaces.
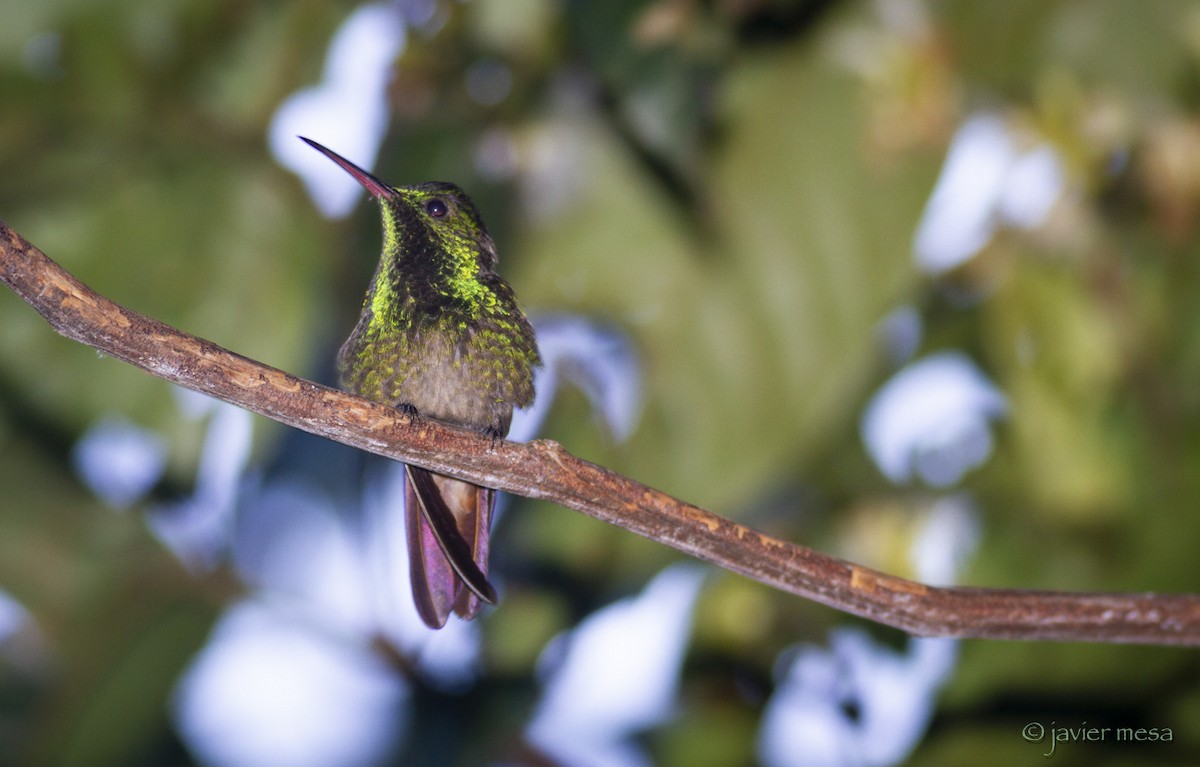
{"x":428,"y":272}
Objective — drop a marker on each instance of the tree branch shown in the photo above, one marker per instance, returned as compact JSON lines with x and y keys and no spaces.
{"x":543,"y":469}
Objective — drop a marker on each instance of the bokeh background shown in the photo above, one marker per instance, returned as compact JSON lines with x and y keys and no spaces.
{"x":915,"y":283}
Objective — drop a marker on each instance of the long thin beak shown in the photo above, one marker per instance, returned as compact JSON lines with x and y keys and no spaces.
{"x":373,"y":185}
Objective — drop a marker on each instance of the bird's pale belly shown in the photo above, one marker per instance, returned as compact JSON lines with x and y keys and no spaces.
{"x":456,"y":384}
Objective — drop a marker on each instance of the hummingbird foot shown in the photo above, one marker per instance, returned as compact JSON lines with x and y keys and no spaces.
{"x":409,"y":410}
{"x":496,"y":433}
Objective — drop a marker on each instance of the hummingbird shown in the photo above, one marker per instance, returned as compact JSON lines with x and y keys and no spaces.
{"x":440,"y":336}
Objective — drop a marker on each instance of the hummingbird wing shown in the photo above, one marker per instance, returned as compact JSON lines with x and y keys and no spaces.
{"x":448,"y":523}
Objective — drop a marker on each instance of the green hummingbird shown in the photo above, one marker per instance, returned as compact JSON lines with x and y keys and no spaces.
{"x":440,"y":336}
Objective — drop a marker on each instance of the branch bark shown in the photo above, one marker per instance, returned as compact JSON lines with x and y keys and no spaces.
{"x":543,"y":469}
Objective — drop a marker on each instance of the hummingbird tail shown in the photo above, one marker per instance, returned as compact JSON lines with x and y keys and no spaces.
{"x":448,"y":522}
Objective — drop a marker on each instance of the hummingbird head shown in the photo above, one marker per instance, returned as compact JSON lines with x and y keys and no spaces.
{"x":441,"y":220}
{"x":430,"y":230}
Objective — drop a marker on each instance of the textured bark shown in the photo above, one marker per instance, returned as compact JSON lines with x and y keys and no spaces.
{"x":543,"y":469}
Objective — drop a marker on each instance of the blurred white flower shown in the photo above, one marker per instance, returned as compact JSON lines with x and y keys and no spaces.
{"x":119,"y":461}
{"x":859,"y":703}
{"x":346,"y":112}
{"x":1035,"y":183}
{"x":598,"y":360}
{"x":946,"y":540}
{"x":616,"y":674}
{"x":13,"y":616}
{"x":932,"y":419}
{"x":856,"y":704}
{"x":292,"y":546}
{"x":986,"y":180}
{"x":270,"y":688}
{"x":197,"y":529}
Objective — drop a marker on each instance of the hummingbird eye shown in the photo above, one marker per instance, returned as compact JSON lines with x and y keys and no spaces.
{"x":436,"y":207}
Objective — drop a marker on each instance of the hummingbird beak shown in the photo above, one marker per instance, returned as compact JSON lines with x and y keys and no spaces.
{"x":373,"y":185}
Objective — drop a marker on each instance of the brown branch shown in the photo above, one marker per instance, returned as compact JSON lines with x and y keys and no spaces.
{"x":543,"y":469}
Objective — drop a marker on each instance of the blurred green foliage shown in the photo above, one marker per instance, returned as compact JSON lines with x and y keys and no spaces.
{"x":735,"y":185}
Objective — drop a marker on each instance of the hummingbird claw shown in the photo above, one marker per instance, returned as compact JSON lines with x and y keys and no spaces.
{"x":495,"y":433}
